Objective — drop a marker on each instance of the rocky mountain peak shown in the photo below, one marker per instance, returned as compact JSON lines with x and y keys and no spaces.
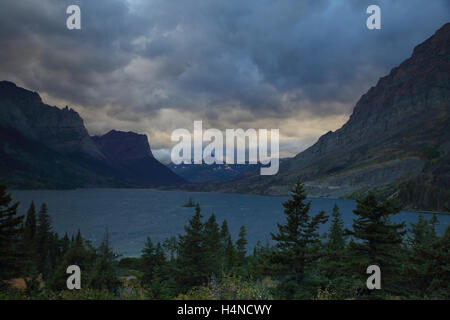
{"x":414,"y":93}
{"x":395,"y":142}
{"x":123,"y":146}
{"x":13,"y":92}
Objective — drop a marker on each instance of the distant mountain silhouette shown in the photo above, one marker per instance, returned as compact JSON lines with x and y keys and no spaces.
{"x":133,"y":160}
{"x":43,"y":146}
{"x":201,"y":173}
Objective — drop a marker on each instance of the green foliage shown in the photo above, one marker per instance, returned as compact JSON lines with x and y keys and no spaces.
{"x":205,"y":262}
{"x":103,"y":275}
{"x":191,"y":255}
{"x":231,"y":287}
{"x":338,"y":281}
{"x":129,"y":263}
{"x":44,"y":242}
{"x":259,"y":265}
{"x":30,"y":227}
{"x":296,"y":243}
{"x":241,"y":247}
{"x":11,"y":231}
{"x":212,"y":247}
{"x":378,"y":242}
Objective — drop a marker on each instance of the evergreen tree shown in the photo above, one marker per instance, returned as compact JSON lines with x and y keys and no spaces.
{"x":420,"y":241}
{"x":30,"y":226}
{"x":224,"y":233}
{"x":230,"y":256}
{"x":337,"y":275}
{"x":29,"y":242}
{"x":161,"y":285}
{"x":378,"y":243}
{"x":44,"y":242}
{"x":191,"y":255}
{"x":64,"y":244}
{"x":439,"y":267}
{"x":334,"y":258}
{"x":148,"y":261}
{"x":79,"y":253}
{"x":153,"y":259}
{"x":213,"y":247}
{"x":241,"y":247}
{"x":104,"y":273}
{"x":294,"y":243}
{"x":78,"y":240}
{"x":259,"y":265}
{"x":11,"y":231}
{"x":171,"y":247}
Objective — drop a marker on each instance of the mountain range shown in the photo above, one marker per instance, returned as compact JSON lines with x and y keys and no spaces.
{"x":43,"y":146}
{"x":396,"y":142}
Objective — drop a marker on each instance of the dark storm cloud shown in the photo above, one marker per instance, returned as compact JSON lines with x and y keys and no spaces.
{"x":270,"y":58}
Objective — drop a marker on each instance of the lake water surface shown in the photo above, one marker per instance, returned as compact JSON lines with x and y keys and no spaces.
{"x":131,"y":215}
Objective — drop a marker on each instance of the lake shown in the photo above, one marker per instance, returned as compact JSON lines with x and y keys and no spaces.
{"x":131,"y":215}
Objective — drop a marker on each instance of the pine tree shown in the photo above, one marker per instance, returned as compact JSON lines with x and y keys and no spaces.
{"x":80,"y":254}
{"x":44,"y":242}
{"x":152,"y":259}
{"x":259,"y":265}
{"x":230,"y":256}
{"x":148,"y":261}
{"x":337,"y":274}
{"x":104,"y":273}
{"x":191,"y":255}
{"x":241,"y":247}
{"x":11,"y":231}
{"x":224,"y":232}
{"x":334,"y":258}
{"x":65,"y":244}
{"x":420,"y":241}
{"x":78,"y":240}
{"x":378,"y":243}
{"x":294,"y":243}
{"x":171,"y":246}
{"x":213,"y":247}
{"x":439,"y":267}
{"x":160,"y":285}
{"x":29,"y":244}
{"x":30,"y":226}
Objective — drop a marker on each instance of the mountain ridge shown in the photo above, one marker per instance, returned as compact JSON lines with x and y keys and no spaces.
{"x":133,"y":161}
{"x":396,"y":142}
{"x":43,"y":146}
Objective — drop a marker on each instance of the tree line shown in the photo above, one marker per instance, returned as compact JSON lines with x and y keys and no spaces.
{"x":206,"y":263}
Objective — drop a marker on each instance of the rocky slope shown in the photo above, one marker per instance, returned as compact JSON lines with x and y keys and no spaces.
{"x":396,"y":141}
{"x":46,"y":147}
{"x":60,"y":129}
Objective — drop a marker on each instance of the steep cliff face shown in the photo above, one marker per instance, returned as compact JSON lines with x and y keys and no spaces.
{"x":123,"y":146}
{"x":28,"y":164}
{"x":60,"y":129}
{"x":413,"y":95}
{"x":132,"y":159}
{"x":398,"y":133}
{"x":47,"y":147}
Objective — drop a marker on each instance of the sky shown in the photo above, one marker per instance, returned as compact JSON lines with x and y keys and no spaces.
{"x":153,"y":66}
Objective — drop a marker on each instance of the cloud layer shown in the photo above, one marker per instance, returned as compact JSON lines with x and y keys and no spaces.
{"x":153,"y":66}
